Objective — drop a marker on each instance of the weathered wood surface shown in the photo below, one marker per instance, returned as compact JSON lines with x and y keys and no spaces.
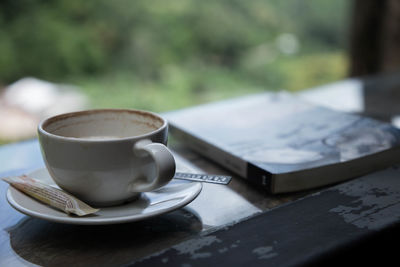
{"x":313,"y":229}
{"x":308,"y":231}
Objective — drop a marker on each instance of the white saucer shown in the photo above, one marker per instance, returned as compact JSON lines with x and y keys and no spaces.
{"x":174,"y":195}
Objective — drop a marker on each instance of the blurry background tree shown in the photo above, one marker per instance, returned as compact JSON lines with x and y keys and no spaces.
{"x":163,"y":55}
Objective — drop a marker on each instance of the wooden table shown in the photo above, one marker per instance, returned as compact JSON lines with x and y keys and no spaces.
{"x":234,"y":225}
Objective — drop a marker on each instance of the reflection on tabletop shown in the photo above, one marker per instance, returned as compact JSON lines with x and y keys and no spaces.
{"x":34,"y":239}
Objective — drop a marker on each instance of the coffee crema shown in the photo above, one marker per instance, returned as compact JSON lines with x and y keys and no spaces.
{"x":100,"y":137}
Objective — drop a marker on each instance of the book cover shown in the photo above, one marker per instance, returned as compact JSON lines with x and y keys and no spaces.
{"x":286,"y":144}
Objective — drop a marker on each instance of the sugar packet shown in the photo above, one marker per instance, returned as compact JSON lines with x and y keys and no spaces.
{"x":49,"y":195}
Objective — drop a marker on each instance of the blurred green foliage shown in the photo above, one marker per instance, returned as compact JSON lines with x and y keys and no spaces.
{"x":166,"y":54}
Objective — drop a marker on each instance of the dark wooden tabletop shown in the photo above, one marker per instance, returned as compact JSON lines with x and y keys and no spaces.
{"x":234,"y":225}
{"x":26,"y":240}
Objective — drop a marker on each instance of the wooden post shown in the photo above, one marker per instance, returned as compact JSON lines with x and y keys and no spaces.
{"x":375,"y":37}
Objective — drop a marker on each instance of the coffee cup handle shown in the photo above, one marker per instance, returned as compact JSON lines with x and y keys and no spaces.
{"x":164,"y":162}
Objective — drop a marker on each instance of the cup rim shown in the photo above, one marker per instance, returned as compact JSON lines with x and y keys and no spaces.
{"x":46,"y":121}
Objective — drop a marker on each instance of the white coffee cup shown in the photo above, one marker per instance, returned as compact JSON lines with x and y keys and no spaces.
{"x":107,"y":156}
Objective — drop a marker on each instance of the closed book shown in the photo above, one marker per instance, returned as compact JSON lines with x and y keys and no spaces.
{"x":282,"y":143}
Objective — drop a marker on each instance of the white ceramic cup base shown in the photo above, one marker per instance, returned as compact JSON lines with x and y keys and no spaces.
{"x":115,"y":203}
